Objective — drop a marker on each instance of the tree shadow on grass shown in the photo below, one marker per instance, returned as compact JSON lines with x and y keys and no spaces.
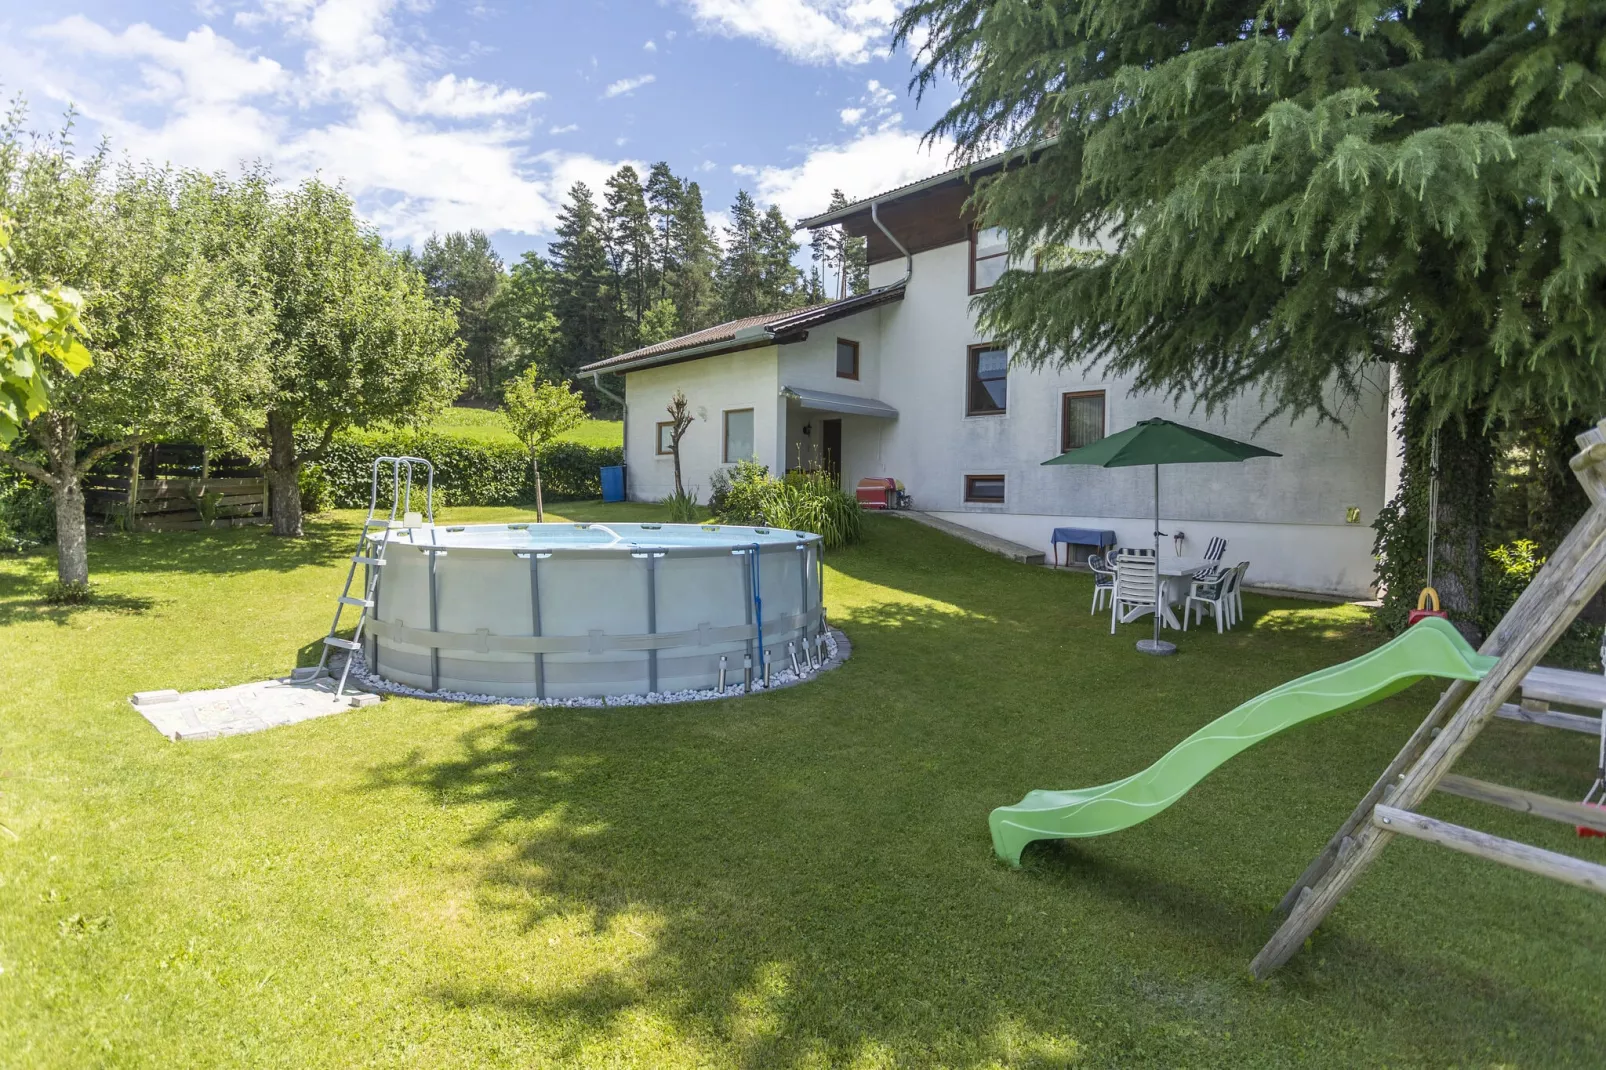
{"x":23,"y":600}
{"x":810,"y":879}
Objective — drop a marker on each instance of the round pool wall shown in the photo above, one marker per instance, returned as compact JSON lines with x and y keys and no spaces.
{"x":553,"y":611}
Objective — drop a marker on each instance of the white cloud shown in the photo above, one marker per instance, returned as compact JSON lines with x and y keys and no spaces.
{"x":651,"y":45}
{"x":875,"y":110}
{"x":851,"y":116}
{"x":627,"y":85}
{"x":568,"y":128}
{"x":869,"y":164}
{"x":809,"y":31}
{"x":422,"y":149}
{"x":454,"y":98}
{"x":746,"y":170}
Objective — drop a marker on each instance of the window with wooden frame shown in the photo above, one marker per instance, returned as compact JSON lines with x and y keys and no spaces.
{"x":738,"y":435}
{"x":989,"y":256}
{"x":987,"y":380}
{"x":847,"y":359}
{"x":984,"y":490}
{"x":1081,"y":419}
{"x":666,"y":438}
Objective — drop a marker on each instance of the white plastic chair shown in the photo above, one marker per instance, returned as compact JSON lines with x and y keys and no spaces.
{"x":1216,"y":548}
{"x":1137,"y":586}
{"x":1221,"y":594}
{"x":1103,"y":582}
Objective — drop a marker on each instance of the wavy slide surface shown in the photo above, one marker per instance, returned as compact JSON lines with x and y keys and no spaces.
{"x":1431,"y":647}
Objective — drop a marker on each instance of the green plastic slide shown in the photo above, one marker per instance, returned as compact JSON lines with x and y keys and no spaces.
{"x":1432,"y":647}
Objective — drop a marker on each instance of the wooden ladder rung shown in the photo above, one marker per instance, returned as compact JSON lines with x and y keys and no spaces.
{"x":1526,"y":802}
{"x":1564,"y":868}
{"x":1573,"y":722}
{"x":1587,"y":689}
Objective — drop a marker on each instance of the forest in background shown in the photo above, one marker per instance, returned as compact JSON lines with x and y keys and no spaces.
{"x":640,"y":265}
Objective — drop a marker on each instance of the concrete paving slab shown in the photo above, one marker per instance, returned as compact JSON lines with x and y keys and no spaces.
{"x":228,"y":711}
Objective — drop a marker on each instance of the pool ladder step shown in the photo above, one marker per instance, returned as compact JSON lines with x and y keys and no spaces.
{"x":365,"y":603}
{"x":342,"y":644}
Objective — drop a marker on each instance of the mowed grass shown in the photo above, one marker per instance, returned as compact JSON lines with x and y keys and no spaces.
{"x":485,"y":425}
{"x":801,"y":879}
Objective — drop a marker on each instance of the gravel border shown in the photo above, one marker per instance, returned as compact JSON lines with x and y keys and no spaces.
{"x":838,"y":649}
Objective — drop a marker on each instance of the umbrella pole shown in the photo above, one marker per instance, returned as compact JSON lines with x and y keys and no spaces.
{"x":1157,"y":646}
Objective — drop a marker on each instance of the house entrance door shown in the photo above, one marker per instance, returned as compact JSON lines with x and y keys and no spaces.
{"x":831,"y":446}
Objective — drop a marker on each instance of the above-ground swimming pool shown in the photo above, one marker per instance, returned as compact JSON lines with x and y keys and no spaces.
{"x":555,"y":611}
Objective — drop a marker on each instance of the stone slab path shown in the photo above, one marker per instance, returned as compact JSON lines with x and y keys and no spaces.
{"x":229,"y":711}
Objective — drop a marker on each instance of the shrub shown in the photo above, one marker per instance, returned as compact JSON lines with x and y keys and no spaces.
{"x":69,"y":593}
{"x":468,"y":472}
{"x":317,"y":490}
{"x":682,"y":506}
{"x":27,"y":514}
{"x":809,"y":500}
{"x":1510,"y":569}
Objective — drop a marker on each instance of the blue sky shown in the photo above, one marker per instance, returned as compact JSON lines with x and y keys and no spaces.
{"x":444,"y":116}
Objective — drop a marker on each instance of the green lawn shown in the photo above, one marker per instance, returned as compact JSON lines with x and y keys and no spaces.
{"x":800,"y":879}
{"x":485,"y":425}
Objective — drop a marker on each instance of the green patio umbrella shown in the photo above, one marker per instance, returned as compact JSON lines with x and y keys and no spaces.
{"x":1160,"y":442}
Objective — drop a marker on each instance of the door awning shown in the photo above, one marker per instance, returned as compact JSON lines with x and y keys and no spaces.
{"x":824,"y":401}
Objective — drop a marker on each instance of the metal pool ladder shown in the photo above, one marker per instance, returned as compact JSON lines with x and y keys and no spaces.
{"x":372,"y":543}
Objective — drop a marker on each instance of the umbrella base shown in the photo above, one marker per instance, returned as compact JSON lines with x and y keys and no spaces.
{"x":1157,"y":647}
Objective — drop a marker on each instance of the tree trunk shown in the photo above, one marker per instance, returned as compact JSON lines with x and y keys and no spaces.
{"x":57,"y":433}
{"x":674,"y":447}
{"x":72,"y":534}
{"x":535,"y":465}
{"x":282,"y":471}
{"x":1465,"y":510}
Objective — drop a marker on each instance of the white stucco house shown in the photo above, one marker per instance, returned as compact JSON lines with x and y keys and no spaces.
{"x":899,"y":382}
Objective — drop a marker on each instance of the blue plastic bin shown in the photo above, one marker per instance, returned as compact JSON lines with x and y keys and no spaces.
{"x":613,"y":483}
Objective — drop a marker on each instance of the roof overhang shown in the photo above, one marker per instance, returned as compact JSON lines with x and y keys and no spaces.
{"x":958,"y":174}
{"x":825,"y":401}
{"x":779,"y":331}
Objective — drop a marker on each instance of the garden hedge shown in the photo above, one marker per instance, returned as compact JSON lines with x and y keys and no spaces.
{"x":467,"y":472}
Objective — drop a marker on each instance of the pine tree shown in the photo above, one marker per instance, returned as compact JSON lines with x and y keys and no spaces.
{"x":741,"y":271}
{"x":1291,"y":192}
{"x":580,"y":286}
{"x":843,"y":260}
{"x":627,"y":235}
{"x":664,"y":195}
{"x":781,"y":285}
{"x":695,"y":258}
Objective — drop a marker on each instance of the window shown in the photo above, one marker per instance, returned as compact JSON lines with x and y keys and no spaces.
{"x":988,"y":490}
{"x":1081,"y":419}
{"x":738,"y":435}
{"x":989,"y":256}
{"x":666,"y":438}
{"x":987,"y":390}
{"x":847,"y":359}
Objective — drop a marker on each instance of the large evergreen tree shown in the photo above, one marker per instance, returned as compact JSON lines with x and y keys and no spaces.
{"x":841,"y":260}
{"x":465,"y":268}
{"x":628,"y":238}
{"x":781,"y":284}
{"x":665,"y":193}
{"x":1289,"y":192}
{"x":579,"y":284}
{"x":693,"y":262}
{"x":741,"y":270}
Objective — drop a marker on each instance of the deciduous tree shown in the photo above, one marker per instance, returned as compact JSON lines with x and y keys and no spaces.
{"x":537,"y":412}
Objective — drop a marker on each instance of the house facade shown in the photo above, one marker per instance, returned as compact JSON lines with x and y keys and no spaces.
{"x":899,"y":382}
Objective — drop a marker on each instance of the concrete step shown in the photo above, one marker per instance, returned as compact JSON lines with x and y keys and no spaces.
{"x":991,"y":543}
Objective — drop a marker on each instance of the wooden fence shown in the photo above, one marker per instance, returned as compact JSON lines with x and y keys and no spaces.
{"x":175,"y":486}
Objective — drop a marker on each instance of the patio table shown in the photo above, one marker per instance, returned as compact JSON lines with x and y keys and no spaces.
{"x":1176,"y":577}
{"x":1100,"y":537}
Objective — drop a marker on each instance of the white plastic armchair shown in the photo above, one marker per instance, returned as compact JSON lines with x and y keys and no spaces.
{"x":1103,"y":582}
{"x":1137,"y":587}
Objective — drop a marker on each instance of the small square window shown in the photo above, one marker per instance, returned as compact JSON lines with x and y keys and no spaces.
{"x":1081,"y":419}
{"x":986,"y":490}
{"x":987,"y":388}
{"x":666,"y":438}
{"x":738,"y":435}
{"x":847,"y":359}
